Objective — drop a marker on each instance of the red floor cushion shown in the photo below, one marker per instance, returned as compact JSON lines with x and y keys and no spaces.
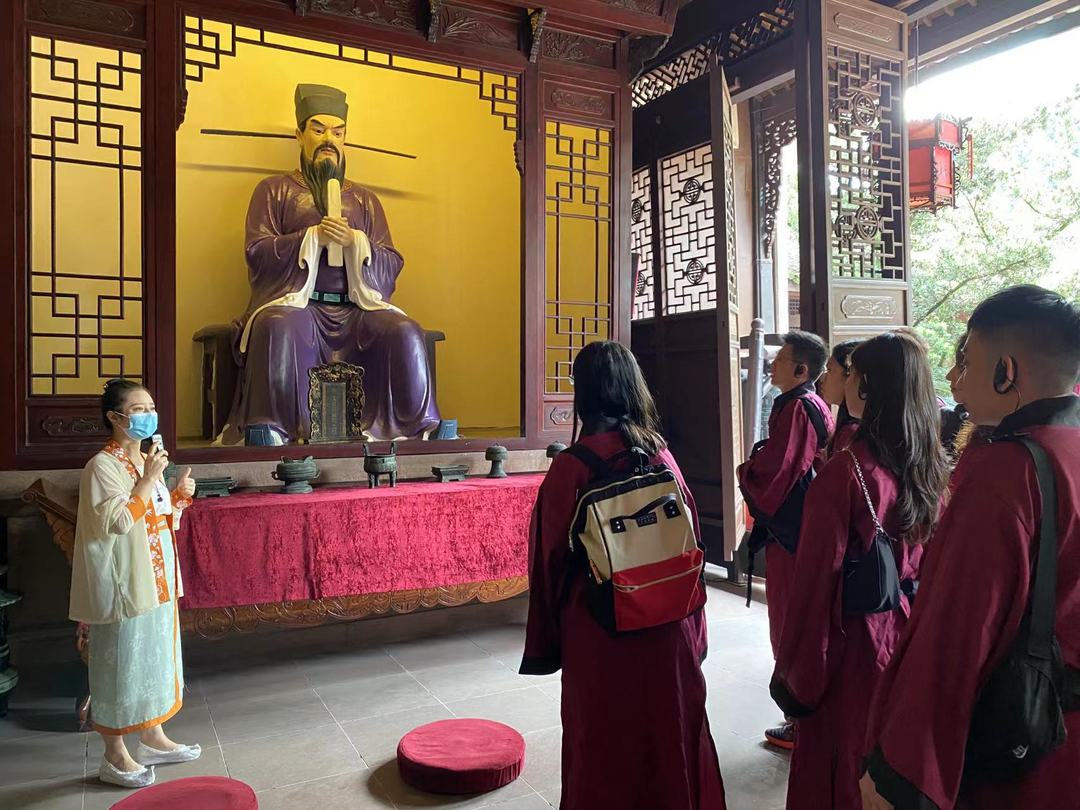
{"x":461,"y":756}
{"x":193,"y":793}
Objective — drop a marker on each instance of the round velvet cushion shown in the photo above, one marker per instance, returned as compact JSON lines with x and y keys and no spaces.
{"x":461,"y":756}
{"x":194,"y":793}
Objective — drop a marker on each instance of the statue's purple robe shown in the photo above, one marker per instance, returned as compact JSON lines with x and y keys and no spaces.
{"x":284,"y":342}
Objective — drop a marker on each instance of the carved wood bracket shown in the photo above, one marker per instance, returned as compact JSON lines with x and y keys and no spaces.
{"x":537,"y":18}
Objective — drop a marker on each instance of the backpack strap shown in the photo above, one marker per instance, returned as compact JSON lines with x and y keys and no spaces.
{"x":1044,"y":585}
{"x":597,"y":466}
{"x":817,"y":420}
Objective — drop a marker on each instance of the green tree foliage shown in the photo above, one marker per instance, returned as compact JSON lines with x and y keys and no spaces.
{"x":1017,"y":220}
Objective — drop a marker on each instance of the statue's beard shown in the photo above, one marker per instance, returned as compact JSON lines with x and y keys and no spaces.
{"x":317,"y":172}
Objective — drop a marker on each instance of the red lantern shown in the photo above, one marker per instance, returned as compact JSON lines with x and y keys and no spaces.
{"x":933,"y":148}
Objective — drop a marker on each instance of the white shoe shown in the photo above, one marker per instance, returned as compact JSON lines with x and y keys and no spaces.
{"x":152,"y":756}
{"x":111,"y":775}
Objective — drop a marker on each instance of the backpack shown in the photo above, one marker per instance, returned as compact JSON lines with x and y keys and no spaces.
{"x":784,"y":526}
{"x":634,"y":537}
{"x":1019,"y":715}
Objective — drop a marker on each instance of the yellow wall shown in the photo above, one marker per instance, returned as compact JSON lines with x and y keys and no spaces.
{"x":454,"y":213}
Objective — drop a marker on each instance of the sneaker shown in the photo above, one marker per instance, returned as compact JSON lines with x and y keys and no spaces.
{"x":111,"y":775}
{"x":783,"y":736}
{"x":152,"y":756}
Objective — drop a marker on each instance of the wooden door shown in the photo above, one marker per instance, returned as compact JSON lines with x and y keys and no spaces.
{"x":850,"y":80}
{"x":685,"y":327}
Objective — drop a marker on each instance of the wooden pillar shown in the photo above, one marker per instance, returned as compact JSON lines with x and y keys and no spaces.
{"x":849,"y":71}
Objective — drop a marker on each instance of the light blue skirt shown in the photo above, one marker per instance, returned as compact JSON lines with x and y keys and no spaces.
{"x":136,"y":669}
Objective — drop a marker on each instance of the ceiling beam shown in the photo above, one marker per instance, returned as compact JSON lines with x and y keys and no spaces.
{"x":972,"y":25}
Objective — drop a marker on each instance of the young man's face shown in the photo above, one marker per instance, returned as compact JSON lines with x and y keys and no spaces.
{"x":784,"y":368}
{"x":974,"y":384}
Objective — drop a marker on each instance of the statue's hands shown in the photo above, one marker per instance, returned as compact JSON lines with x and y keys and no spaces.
{"x":337,"y":230}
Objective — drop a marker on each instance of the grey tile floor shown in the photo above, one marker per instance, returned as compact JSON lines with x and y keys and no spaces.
{"x":311,"y":727}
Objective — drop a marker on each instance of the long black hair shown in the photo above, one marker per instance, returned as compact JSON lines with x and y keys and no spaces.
{"x":901,"y":423}
{"x":609,"y":386}
{"x":113,"y":397}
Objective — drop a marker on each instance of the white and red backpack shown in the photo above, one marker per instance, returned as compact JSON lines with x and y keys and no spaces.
{"x":635,"y":539}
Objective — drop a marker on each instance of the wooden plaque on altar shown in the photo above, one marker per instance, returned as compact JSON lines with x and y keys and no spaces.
{"x":336,"y":400}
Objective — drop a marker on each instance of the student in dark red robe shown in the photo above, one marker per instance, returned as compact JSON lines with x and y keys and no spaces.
{"x":1020,"y":363}
{"x":775,"y":478}
{"x":830,"y":660}
{"x":635,"y":732}
{"x":831,"y":388}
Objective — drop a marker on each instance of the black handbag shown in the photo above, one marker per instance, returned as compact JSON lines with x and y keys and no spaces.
{"x":1019,"y":716}
{"x":871,"y":581}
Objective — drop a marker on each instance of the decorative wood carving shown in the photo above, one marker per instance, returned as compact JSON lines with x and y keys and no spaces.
{"x":561,"y":415}
{"x":434,"y":6}
{"x":91,"y":15}
{"x":398,"y":13}
{"x":474,"y":26}
{"x":642,"y":6}
{"x":519,"y":156}
{"x":642,"y":49}
{"x":777,"y":134}
{"x":869,"y":306}
{"x":59,"y":511}
{"x":537,"y":18}
{"x":581,"y":102}
{"x":72,"y":426}
{"x":568,"y":47}
{"x":211,"y":623}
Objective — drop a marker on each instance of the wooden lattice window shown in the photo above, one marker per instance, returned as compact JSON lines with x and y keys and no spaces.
{"x":688,"y":238}
{"x":86,"y":245}
{"x":641,"y":235}
{"x":578,"y":220}
{"x":866,"y":160}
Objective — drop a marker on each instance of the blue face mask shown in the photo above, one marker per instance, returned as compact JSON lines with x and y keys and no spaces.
{"x":141,"y":425}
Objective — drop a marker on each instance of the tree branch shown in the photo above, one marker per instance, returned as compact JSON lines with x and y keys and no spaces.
{"x":963,"y":283}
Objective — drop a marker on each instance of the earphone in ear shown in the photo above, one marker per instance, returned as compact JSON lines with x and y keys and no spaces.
{"x":1002,"y":383}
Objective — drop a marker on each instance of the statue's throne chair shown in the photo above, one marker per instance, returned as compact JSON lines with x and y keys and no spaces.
{"x":220,"y":373}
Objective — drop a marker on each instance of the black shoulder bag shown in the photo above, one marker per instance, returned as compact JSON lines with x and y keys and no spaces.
{"x":871,"y":581}
{"x":1019,"y":716}
{"x":783,"y":527}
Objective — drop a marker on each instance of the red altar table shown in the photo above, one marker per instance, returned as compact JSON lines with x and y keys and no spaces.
{"x":342,"y":553}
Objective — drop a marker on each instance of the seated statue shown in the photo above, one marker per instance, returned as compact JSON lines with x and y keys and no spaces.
{"x":304,"y":312}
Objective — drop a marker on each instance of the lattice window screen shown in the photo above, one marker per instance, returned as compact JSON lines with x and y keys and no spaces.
{"x":866,"y":158}
{"x":641,"y":234}
{"x":86,"y":244}
{"x":578,"y":193}
{"x":689,"y":238}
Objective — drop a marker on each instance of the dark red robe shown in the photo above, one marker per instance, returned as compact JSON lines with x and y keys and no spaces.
{"x":768,"y":477}
{"x":975,"y":590}
{"x":828,"y":663}
{"x":635,"y":732}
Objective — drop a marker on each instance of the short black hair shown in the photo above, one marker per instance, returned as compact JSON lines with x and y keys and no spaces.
{"x":112,"y":399}
{"x":809,"y":350}
{"x":1041,"y":322}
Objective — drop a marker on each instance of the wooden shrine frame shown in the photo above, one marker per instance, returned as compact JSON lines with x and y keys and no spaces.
{"x":573,"y":62}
